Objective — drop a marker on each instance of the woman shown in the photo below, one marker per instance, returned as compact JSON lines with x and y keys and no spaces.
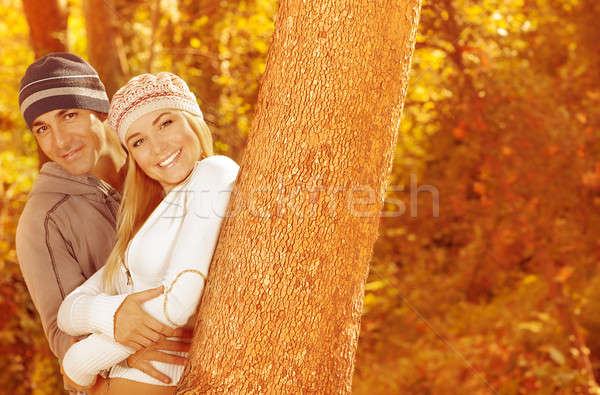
{"x":175,"y":196}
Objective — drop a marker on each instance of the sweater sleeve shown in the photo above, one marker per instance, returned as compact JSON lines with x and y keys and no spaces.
{"x":40,"y":249}
{"x":195,"y":243}
{"x":85,"y":359}
{"x":87,"y":309}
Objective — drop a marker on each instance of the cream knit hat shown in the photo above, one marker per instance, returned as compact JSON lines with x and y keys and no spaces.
{"x":146,"y":93}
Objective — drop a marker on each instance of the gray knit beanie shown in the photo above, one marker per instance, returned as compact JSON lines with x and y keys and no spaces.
{"x":60,"y":81}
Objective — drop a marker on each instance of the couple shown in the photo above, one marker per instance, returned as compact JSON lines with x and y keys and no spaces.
{"x":134,"y":309}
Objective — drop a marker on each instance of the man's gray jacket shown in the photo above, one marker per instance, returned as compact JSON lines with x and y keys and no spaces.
{"x":65,"y":234}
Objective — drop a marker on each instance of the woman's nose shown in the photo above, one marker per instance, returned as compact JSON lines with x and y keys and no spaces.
{"x":158,"y":146}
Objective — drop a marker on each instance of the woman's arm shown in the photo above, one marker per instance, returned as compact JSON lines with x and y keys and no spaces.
{"x":195,"y":243}
{"x":120,"y":317}
{"x":184,"y":282}
{"x":85,"y":359}
{"x":87,"y":309}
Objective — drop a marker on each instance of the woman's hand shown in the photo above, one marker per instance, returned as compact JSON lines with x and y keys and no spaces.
{"x":134,"y":327}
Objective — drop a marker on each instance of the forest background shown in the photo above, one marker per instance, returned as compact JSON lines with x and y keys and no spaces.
{"x":484,"y":278}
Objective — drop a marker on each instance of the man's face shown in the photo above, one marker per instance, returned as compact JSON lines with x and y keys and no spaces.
{"x":73,"y":138}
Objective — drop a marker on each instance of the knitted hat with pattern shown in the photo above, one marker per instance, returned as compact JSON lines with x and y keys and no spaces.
{"x":60,"y":81}
{"x":146,"y":93}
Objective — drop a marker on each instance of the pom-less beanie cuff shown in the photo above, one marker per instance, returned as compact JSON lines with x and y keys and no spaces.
{"x":60,"y":81}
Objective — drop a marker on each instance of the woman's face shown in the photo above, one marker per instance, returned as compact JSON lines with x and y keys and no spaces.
{"x":164,"y":146}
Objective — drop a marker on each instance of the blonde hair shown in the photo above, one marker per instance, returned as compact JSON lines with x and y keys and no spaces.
{"x":141,"y":195}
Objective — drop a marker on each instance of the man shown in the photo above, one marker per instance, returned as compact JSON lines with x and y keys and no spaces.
{"x":67,"y":228}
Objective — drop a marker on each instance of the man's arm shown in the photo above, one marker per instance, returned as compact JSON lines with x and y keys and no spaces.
{"x":40,"y":249}
{"x":86,"y":358}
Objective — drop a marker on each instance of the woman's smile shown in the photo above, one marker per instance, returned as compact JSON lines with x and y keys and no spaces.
{"x":171,"y":159}
{"x":164,"y":146}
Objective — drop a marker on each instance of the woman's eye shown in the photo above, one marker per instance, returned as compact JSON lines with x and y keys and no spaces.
{"x":137,"y":143}
{"x":166,"y":123}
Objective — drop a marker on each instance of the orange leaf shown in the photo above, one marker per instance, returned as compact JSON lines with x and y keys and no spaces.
{"x":551,"y":150}
{"x":564,"y":273}
{"x":459,"y":131}
{"x":479,"y":188}
{"x":507,"y":151}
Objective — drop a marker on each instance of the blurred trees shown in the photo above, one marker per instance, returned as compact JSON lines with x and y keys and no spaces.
{"x":502,"y":118}
{"x":48,"y":33}
{"x":497,"y":122}
{"x":104,"y":44}
{"x":47,"y":26}
{"x":27,"y":364}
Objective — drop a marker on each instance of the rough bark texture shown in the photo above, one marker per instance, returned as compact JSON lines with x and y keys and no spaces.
{"x":282,"y":307}
{"x":47,"y":22}
{"x":105,"y":48}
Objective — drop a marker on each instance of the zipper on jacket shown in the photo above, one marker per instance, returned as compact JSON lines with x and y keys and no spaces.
{"x":109,"y":198}
{"x":126,"y":257}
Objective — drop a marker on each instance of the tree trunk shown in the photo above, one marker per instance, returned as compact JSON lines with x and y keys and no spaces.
{"x":105,"y":47}
{"x":47,"y":22}
{"x":282,"y":307}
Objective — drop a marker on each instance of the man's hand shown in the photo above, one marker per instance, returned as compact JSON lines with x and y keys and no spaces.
{"x":134,"y":327}
{"x":141,"y":359}
{"x":97,"y":389}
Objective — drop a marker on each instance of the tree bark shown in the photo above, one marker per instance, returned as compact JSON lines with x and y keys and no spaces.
{"x":105,"y":47}
{"x":47,"y":22}
{"x":282,"y":307}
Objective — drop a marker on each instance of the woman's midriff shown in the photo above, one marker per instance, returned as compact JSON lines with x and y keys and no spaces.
{"x":120,"y":386}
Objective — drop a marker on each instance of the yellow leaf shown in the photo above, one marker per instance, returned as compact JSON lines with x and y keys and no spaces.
{"x":374,"y":285}
{"x":195,"y":43}
{"x":532,"y":326}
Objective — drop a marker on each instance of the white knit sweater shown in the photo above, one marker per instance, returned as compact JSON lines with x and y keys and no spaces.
{"x":176,"y":241}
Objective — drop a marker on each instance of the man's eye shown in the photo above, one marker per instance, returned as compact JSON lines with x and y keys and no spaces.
{"x":41,"y":129}
{"x":137,"y":143}
{"x":165,"y":123}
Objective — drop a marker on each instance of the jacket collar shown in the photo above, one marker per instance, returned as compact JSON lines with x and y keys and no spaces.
{"x":54,"y":179}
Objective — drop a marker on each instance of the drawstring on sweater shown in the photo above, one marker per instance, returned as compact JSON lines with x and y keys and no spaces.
{"x":112,"y":197}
